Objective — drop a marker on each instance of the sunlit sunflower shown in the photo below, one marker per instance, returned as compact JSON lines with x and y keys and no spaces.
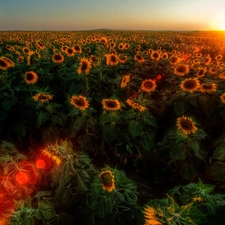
{"x":151,"y":216}
{"x":121,"y":46}
{"x":222,"y":76}
{"x":111,"y":104}
{"x":208,"y":60}
{"x":79,"y":102}
{"x":190,"y":85}
{"x":213,"y":70}
{"x":186,"y":125}
{"x":174,"y":60}
{"x":135,"y":105}
{"x":40,"y":45}
{"x":125,"y":80}
{"x":31,"y":77}
{"x":222,"y":98}
{"x":84,"y":66}
{"x":58,"y":58}
{"x":26,"y":50}
{"x":107,"y":180}
{"x":77,"y":49}
{"x":112,"y":59}
{"x":155,"y":55}
{"x":112,"y":44}
{"x":42,"y":97}
{"x":201,"y":72}
{"x":139,"y":58}
{"x":70,"y":52}
{"x":5,"y":63}
{"x":123,"y":58}
{"x":181,"y":70}
{"x":208,"y":88}
{"x":52,"y":155}
{"x":104,"y":40}
{"x":148,"y":85}
{"x":165,"y":56}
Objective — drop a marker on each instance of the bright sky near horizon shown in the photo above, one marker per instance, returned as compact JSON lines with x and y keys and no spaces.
{"x":112,"y":14}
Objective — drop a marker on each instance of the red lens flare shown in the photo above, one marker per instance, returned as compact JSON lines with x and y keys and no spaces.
{"x":159,"y":77}
{"x":22,"y":177}
{"x":40,"y":163}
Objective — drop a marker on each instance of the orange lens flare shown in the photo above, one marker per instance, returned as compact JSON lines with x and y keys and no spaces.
{"x":40,"y":163}
{"x":22,"y":177}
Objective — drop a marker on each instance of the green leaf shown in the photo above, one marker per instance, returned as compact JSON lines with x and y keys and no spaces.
{"x":147,"y":140}
{"x":218,"y":171}
{"x":102,"y":205}
{"x":7,"y":103}
{"x":110,"y":132}
{"x":81,"y":180}
{"x":134,"y":128}
{"x":150,"y":120}
{"x":45,"y":210}
{"x":42,"y":117}
{"x":130,"y":196}
{"x":180,"y":108}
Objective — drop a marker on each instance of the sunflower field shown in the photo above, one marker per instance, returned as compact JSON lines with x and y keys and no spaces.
{"x":112,"y":127}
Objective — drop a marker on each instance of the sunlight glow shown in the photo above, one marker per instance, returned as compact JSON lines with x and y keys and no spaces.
{"x":218,"y":23}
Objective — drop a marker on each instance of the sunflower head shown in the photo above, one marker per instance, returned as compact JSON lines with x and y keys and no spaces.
{"x":208,"y":88}
{"x":155,"y":55}
{"x":222,"y":98}
{"x":42,"y":97}
{"x":125,"y":80}
{"x":112,"y":59}
{"x":31,"y":77}
{"x":150,"y":215}
{"x":186,"y":125}
{"x":79,"y":102}
{"x":107,"y":180}
{"x":148,"y":85}
{"x":58,"y":58}
{"x":190,"y":85}
{"x":181,"y":69}
{"x":139,"y":58}
{"x":85,"y":66}
{"x":111,"y":104}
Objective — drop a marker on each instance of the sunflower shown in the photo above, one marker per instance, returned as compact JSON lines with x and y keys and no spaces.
{"x":125,"y":80}
{"x":151,"y":216}
{"x":58,"y":58}
{"x":42,"y":97}
{"x":85,"y":66}
{"x":112,"y":44}
{"x":111,"y":104}
{"x":5,"y":63}
{"x":40,"y":45}
{"x":208,"y":88}
{"x":103,"y":40}
{"x":79,"y":102}
{"x":31,"y":77}
{"x":70,"y":52}
{"x":201,"y":72}
{"x":190,"y":84}
{"x":155,"y":55}
{"x":186,"y":125}
{"x":222,"y":76}
{"x":139,"y":58}
{"x":135,"y":105}
{"x":52,"y":155}
{"x":181,"y":69}
{"x":222,"y":98}
{"x":148,"y":85}
{"x":165,"y":56}
{"x":174,"y":60}
{"x":107,"y":180}
{"x":208,"y":60}
{"x":112,"y":59}
{"x":123,"y":58}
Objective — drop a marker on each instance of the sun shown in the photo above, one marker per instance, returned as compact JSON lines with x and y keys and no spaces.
{"x":218,"y":22}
